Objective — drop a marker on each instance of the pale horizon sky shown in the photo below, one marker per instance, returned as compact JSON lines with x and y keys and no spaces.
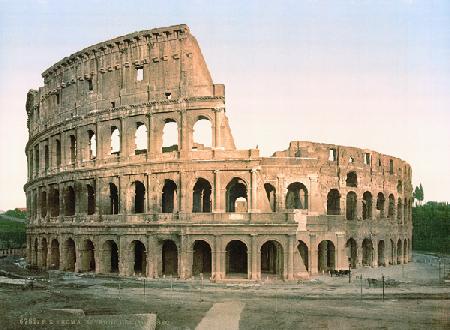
{"x":370,"y":74}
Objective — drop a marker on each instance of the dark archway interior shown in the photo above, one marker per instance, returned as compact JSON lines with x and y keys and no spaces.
{"x":326,"y":256}
{"x":271,"y":196}
{"x":333,"y":202}
{"x":201,"y":199}
{"x":201,"y":258}
{"x":140,"y":258}
{"x":91,"y":199}
{"x":236,"y":189}
{"x":139,"y":197}
{"x":168,"y":196}
{"x":70,"y":255}
{"x":236,"y":258}
{"x":169,"y":258}
{"x":297,"y":196}
{"x":367,"y":252}
{"x":350,"y":212}
{"x":54,"y":257}
{"x":114,"y":199}
{"x":271,"y":258}
{"x":352,"y":252}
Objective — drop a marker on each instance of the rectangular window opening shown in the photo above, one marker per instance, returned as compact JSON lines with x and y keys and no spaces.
{"x":367,"y":158}
{"x":139,"y":73}
{"x":90,"y":85}
{"x":332,"y":155}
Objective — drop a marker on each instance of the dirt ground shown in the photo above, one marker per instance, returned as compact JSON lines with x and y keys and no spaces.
{"x":417,"y":297}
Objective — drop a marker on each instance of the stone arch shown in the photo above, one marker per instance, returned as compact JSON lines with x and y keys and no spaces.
{"x":326,"y":256}
{"x":236,"y":259}
{"x":140,"y":139}
{"x":297,"y":196}
{"x":380,"y":204}
{"x":202,"y":133}
{"x":352,"y":179}
{"x":399,"y":210}
{"x":367,"y":252}
{"x":88,"y":263}
{"x":391,"y":206}
{"x":392,"y":252}
{"x":201,"y":196}
{"x":92,"y":139}
{"x":43,"y":203}
{"x":170,"y":136}
{"x":90,"y":199}
{"x":139,"y":197}
{"x":333,"y":202}
{"x":115,"y":140}
{"x":54,"y":202}
{"x":405,"y":251}
{"x":201,"y":258}
{"x":169,"y":197}
{"x":272,"y":258}
{"x":352,"y":252}
{"x":54,"y":254}
{"x":236,"y":190}
{"x":381,"y":253}
{"x":271,"y":194}
{"x":169,"y":252}
{"x":110,"y":257}
{"x":69,"y":201}
{"x":44,"y":253}
{"x":139,"y":254}
{"x":350,"y":209}
{"x":304,"y":256}
{"x":367,"y":205}
{"x":70,"y":255}
{"x":113,"y":199}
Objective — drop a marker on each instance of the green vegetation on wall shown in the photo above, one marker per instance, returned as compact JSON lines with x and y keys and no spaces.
{"x":431,"y":227}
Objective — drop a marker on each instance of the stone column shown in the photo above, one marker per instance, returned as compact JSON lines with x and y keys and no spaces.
{"x":152,"y":267}
{"x":218,"y":258}
{"x":254,"y":185}
{"x":124,"y":258}
{"x":184,"y":264}
{"x":217,"y":125}
{"x":312,"y":257}
{"x":341,"y":254}
{"x":280,"y":192}
{"x":290,"y":261}
{"x":217,"y":193}
{"x":255,"y":272}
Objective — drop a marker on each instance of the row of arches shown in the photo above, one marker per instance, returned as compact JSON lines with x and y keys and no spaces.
{"x":351,"y":205}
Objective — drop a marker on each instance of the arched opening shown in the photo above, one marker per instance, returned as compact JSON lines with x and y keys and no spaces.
{"x":399,"y":210}
{"x":88,"y":257}
{"x":44,"y":253}
{"x":169,"y":197}
{"x":350,"y":209}
{"x":73,"y":149}
{"x":170,"y":136}
{"x":70,"y":257}
{"x":90,"y":199}
{"x":405,"y":251}
{"x":169,"y":258}
{"x":43,"y":204}
{"x":58,"y":153}
{"x":54,"y":254}
{"x":381,"y":261}
{"x":139,"y":197}
{"x":140,"y":139}
{"x":46,"y":158}
{"x":202,"y":135}
{"x":333,"y":202}
{"x":110,"y":257}
{"x":272,"y":259}
{"x":326,"y":256}
{"x":352,"y":179}
{"x":54,"y":202}
{"x":202,"y":260}
{"x":271,"y":194}
{"x":140,"y":258}
{"x":236,"y":196}
{"x":115,"y":141}
{"x":352,"y":252}
{"x":367,"y":257}
{"x":399,"y":186}
{"x":236,"y":262}
{"x":297,"y":196}
{"x":36,"y":252}
{"x":405,"y":208}
{"x":380,"y":204}
{"x":201,"y":197}
{"x":69,"y":201}
{"x":367,"y":205}
{"x":391,"y":206}
{"x":392,"y":252}
{"x":113,"y":199}
{"x":399,"y":252}
{"x":303,"y":251}
{"x":92,"y":145}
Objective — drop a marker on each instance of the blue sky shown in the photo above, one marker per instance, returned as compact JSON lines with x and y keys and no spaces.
{"x":372,"y":74}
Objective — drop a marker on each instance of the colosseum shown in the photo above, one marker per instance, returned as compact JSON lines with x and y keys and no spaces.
{"x":106,"y":192}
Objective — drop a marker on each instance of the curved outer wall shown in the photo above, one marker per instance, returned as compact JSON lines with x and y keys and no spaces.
{"x":188,"y":209}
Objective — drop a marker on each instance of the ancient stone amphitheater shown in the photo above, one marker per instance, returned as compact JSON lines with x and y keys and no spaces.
{"x":107,"y":194}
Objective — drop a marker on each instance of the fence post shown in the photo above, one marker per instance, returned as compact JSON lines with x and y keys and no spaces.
{"x":382,"y":279}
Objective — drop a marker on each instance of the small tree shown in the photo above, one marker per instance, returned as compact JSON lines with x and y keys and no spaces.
{"x":418,"y":194}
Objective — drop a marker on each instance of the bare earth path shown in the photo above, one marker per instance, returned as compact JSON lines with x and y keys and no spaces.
{"x":224,"y":316}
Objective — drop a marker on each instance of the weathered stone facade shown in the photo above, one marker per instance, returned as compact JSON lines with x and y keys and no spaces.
{"x":181,"y":210}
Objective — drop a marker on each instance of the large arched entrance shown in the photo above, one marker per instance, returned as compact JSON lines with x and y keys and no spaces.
{"x":201,"y":196}
{"x":236,"y":259}
{"x":54,"y":254}
{"x":399,"y":252}
{"x":272,"y":259}
{"x":326,"y":256}
{"x":70,"y":256}
{"x":352,"y":252}
{"x":88,"y":257}
{"x":236,"y":196}
{"x":110,"y":257}
{"x":381,"y":260}
{"x":169,"y":258}
{"x":201,"y":263}
{"x":367,"y":249}
{"x":140,"y":258}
